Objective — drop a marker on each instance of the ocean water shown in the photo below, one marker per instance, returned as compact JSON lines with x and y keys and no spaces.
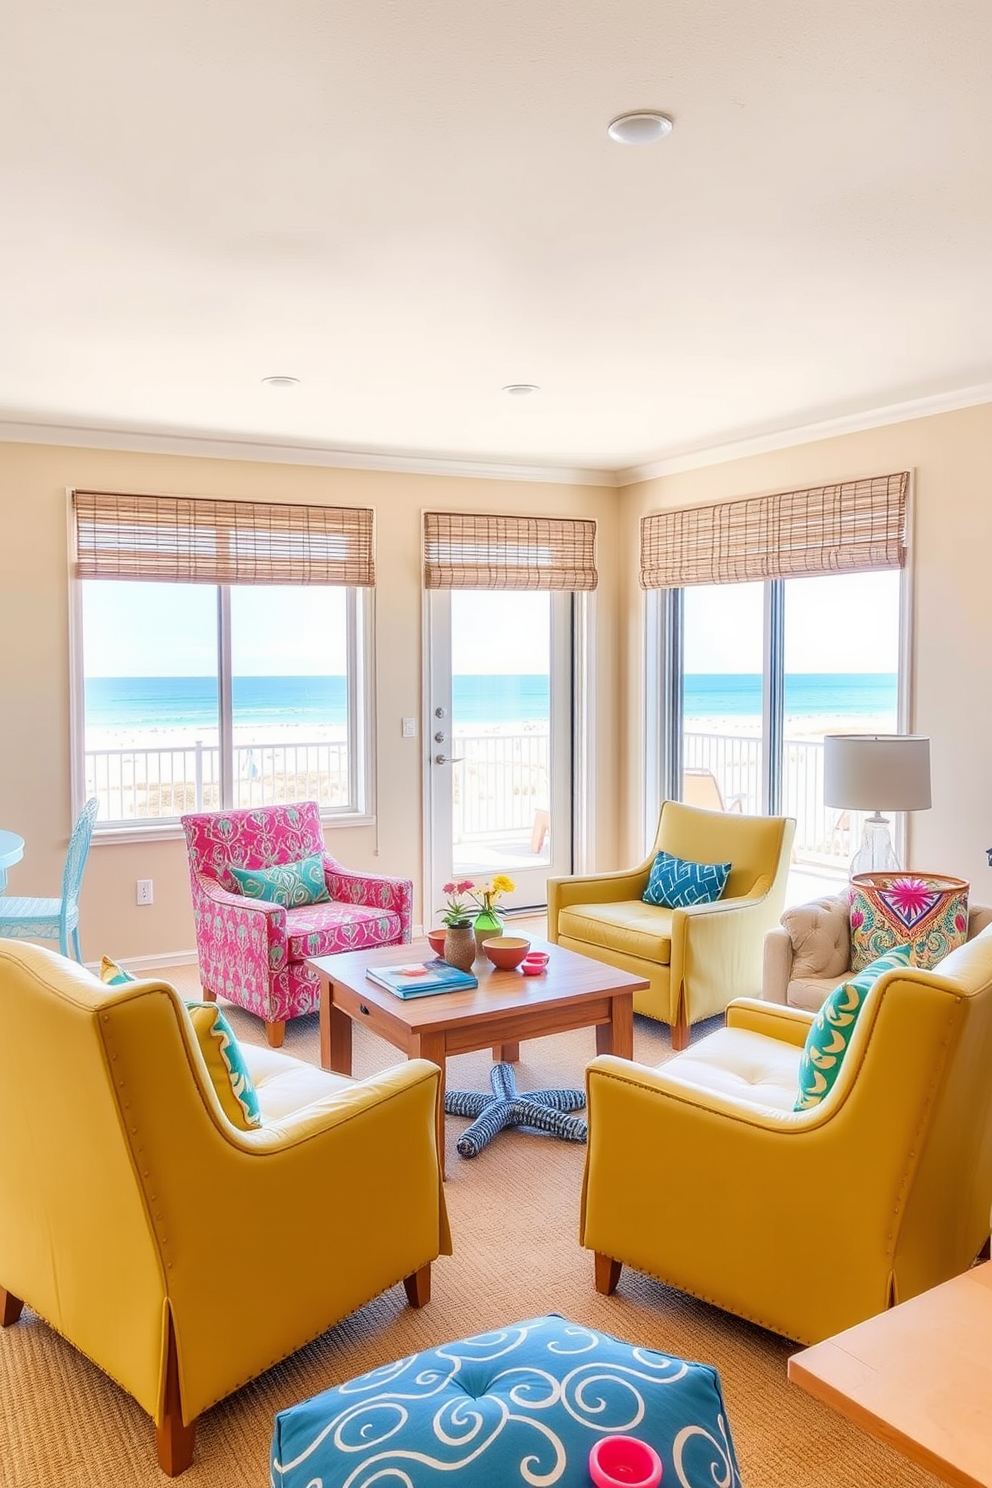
{"x":191,"y":702}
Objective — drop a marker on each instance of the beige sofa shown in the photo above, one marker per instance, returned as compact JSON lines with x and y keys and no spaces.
{"x":809,"y":953}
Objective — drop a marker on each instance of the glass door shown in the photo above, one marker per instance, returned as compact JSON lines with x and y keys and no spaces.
{"x":499,"y":731}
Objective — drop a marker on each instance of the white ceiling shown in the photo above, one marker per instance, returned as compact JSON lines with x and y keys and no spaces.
{"x":408,"y":205}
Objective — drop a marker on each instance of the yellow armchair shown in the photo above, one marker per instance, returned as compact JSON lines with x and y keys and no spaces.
{"x":180,"y":1254}
{"x":702,"y":1174}
{"x":695,"y":960}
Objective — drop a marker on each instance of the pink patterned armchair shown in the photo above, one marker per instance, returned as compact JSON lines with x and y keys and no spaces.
{"x":253,"y":953}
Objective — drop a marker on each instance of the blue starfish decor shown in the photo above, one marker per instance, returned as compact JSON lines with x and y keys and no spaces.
{"x":541,"y":1109}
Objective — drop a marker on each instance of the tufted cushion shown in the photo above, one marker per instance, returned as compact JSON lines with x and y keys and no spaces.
{"x":746,"y":1065}
{"x":821,"y":937}
{"x":632,"y":927}
{"x":521,"y":1405}
{"x":323,"y":929}
{"x":284,"y":1084}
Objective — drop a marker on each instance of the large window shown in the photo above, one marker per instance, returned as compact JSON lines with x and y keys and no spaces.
{"x":201,"y":696}
{"x":798,"y":637}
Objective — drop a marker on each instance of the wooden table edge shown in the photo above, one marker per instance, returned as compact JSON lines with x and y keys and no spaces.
{"x":874,"y":1425}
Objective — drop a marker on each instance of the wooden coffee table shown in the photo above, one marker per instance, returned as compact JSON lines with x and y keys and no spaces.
{"x":918,"y":1376}
{"x":574,"y":992}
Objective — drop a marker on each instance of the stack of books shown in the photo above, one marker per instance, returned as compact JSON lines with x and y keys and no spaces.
{"x":422,"y":979}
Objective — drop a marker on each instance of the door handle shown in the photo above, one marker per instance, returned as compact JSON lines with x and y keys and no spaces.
{"x":443,"y":759}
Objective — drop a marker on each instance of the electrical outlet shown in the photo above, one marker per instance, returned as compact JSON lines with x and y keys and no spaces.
{"x":409,"y":728}
{"x":143,"y":891}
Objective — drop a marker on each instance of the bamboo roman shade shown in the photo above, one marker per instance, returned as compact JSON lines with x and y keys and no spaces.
{"x":841,"y":528}
{"x":187,"y":540}
{"x":466,"y":550}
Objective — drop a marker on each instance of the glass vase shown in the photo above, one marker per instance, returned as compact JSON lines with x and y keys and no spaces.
{"x":487,"y":923}
{"x":460,"y":947}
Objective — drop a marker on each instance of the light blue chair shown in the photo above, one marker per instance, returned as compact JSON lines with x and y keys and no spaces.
{"x":54,"y":919}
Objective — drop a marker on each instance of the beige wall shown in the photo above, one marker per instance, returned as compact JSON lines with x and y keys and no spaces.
{"x":950,"y":456}
{"x":34,"y":665}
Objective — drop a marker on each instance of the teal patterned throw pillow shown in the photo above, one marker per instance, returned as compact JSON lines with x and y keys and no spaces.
{"x":831,"y":1029}
{"x":677,"y":884}
{"x":291,"y":884}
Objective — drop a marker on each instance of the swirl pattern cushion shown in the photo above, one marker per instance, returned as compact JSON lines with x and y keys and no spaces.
{"x":675,"y":883}
{"x":522,"y":1405}
{"x":289,"y":884}
{"x":831,"y":1029}
{"x":221,"y":1053}
{"x":925,"y":909}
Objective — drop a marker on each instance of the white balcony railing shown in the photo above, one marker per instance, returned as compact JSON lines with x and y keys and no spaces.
{"x":499,"y":783}
{"x":160,"y":783}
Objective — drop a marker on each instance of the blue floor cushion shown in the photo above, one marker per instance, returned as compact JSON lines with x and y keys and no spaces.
{"x":522,"y":1405}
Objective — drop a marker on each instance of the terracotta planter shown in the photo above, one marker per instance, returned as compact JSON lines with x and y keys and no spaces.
{"x":460,"y":947}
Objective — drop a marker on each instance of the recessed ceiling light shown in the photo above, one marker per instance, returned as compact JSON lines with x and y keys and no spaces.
{"x":640,"y":128}
{"x":521,"y":389}
{"x":280,"y":381}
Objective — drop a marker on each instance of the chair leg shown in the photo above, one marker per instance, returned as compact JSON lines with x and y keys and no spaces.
{"x":64,"y":941}
{"x":607,"y":1273}
{"x":75,"y":946}
{"x":10,"y":1308}
{"x":174,"y":1440}
{"x":680,"y":1028}
{"x":275,"y":1033}
{"x":209,"y":995}
{"x":418,"y":1286}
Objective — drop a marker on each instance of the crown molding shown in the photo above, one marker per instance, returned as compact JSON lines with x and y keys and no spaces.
{"x":226,"y":447}
{"x":831,"y":428}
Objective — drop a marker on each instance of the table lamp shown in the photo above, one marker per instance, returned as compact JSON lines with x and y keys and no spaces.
{"x":876,"y":772}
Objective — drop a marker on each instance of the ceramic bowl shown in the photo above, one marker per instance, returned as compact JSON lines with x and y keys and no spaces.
{"x":537,"y":958}
{"x":436,"y":938}
{"x":624,"y":1462}
{"x":506,"y":951}
{"x":533,"y":968}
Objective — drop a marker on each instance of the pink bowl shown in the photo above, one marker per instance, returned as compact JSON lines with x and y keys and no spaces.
{"x":624,"y":1462}
{"x":532,"y":968}
{"x":436,"y":938}
{"x":537,"y":958}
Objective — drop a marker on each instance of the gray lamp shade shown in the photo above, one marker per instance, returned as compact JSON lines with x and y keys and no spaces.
{"x":876,"y":772}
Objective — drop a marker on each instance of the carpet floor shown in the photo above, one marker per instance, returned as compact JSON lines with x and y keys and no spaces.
{"x":514,"y":1218}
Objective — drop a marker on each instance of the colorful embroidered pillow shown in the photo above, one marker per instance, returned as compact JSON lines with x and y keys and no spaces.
{"x":290,"y":884}
{"x":220,"y":1049}
{"x":831,"y":1029}
{"x":677,"y":884}
{"x":928,"y":910}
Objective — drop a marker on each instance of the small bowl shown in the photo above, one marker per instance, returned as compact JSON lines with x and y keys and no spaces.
{"x":532,"y":968}
{"x":537,"y":958}
{"x":624,"y":1462}
{"x":506,"y":951}
{"x":436,"y":938}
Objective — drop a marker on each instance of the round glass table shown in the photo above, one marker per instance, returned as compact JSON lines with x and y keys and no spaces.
{"x":11,"y":852}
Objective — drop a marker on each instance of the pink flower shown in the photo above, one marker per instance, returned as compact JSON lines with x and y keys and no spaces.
{"x":960,"y":923}
{"x":857,"y":919}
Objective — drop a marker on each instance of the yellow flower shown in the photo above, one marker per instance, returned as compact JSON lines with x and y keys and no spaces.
{"x":502,"y":884}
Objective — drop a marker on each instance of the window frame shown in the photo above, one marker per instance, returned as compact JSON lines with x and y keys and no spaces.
{"x":664,"y":676}
{"x":360,"y":687}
